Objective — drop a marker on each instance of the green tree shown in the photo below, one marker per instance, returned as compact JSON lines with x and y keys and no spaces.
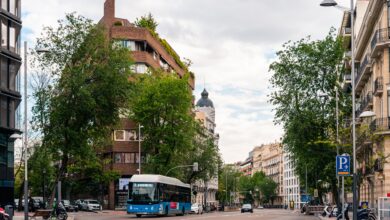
{"x":90,"y":86}
{"x":148,"y":22}
{"x":162,"y":103}
{"x":303,"y":70}
{"x":228,"y":182}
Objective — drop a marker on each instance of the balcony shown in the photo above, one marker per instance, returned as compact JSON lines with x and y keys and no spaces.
{"x":378,"y":86}
{"x":379,"y":41}
{"x":381,"y":124}
{"x":365,"y":103}
{"x":362,"y":73}
{"x":346,"y":81}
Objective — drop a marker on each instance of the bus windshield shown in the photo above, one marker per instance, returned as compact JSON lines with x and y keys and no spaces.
{"x":143,"y":192}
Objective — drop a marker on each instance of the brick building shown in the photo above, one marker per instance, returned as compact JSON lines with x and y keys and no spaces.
{"x":10,"y":97}
{"x":147,"y":52}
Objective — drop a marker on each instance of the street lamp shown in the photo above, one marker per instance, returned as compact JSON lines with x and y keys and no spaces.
{"x":332,"y":3}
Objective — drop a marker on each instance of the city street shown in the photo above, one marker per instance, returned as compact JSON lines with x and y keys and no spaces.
{"x":274,"y":214}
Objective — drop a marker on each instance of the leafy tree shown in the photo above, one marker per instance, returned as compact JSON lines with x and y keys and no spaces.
{"x":147,"y":21}
{"x":258,"y":187}
{"x":305,"y":69}
{"x":162,"y":103}
{"x":228,"y":181}
{"x":90,"y":86}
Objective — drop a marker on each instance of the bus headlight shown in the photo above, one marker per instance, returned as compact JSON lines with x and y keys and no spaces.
{"x":161,"y":207}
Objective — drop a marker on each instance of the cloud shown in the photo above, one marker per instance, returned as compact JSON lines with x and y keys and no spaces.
{"x":231,"y":43}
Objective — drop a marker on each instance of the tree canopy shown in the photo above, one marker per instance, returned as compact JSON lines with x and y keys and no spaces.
{"x":90,"y":86}
{"x":306,"y":78}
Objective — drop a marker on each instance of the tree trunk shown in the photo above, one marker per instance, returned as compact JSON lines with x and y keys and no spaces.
{"x":59,"y":177}
{"x":20,"y":196}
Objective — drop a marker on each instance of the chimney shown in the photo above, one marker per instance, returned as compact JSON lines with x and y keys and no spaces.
{"x":109,"y":9}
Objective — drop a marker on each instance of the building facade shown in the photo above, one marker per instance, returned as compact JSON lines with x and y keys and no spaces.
{"x":267,"y":158}
{"x":291,"y":185}
{"x":205,"y":113}
{"x":10,"y":61}
{"x":147,"y":52}
{"x":272,"y":166}
{"x":372,"y":89}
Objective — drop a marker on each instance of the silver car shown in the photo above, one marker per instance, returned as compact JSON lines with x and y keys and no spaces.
{"x":91,"y":205}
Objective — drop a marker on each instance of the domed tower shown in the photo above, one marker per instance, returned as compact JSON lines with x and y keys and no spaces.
{"x":206,"y":106}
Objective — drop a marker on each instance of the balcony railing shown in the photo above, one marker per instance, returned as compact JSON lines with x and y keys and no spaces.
{"x":380,"y":124}
{"x":378,"y":85}
{"x":362,"y":68}
{"x":380,"y":37}
{"x":367,"y":100}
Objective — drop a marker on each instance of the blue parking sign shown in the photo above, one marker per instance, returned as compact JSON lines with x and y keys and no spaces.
{"x":343,"y":165}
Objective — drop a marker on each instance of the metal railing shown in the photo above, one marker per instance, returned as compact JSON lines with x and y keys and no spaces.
{"x":364,"y":103}
{"x":380,"y":124}
{"x":380,"y":36}
{"x":360,"y":71}
{"x":378,"y":85}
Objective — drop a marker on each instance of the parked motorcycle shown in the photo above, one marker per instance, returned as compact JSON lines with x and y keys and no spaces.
{"x":327,"y":211}
{"x":60,"y":212}
{"x":3,"y":215}
{"x":344,"y":212}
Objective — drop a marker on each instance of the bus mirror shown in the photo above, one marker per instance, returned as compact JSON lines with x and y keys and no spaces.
{"x":195,"y":167}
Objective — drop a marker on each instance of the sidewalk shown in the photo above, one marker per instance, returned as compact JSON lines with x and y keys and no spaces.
{"x":20,"y":216}
{"x":333,"y":218}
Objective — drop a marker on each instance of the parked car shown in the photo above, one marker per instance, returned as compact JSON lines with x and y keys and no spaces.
{"x":69,"y":206}
{"x":79,"y":203}
{"x":91,"y":205}
{"x":246,"y":208}
{"x":260,"y":207}
{"x":196,"y":208}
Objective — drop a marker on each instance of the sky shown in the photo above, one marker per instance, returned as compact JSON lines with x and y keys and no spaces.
{"x":230,"y":42}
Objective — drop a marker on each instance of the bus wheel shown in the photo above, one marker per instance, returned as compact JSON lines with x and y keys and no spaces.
{"x":138,"y":215}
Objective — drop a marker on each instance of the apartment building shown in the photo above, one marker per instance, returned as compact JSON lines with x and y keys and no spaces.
{"x":147,"y":52}
{"x":267,"y":158}
{"x":205,"y":113}
{"x":291,"y":185}
{"x":247,"y":166}
{"x":372,"y":82}
{"x":10,"y":61}
{"x":272,"y":166}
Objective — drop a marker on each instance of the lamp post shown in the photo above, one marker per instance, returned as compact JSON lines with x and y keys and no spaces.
{"x":332,"y":3}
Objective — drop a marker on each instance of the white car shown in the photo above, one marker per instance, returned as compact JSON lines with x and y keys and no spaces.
{"x":91,"y":205}
{"x":196,"y":208}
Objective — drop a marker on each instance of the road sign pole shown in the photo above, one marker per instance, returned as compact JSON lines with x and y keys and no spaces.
{"x":343,"y":196}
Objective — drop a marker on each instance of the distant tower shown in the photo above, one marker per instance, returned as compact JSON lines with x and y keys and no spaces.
{"x":205,"y":105}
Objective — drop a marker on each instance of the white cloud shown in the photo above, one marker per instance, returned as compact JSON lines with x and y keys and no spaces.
{"x":231,"y":43}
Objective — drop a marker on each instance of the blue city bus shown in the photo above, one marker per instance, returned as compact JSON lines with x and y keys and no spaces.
{"x":158,"y":195}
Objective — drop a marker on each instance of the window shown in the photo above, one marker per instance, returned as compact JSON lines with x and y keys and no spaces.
{"x":4,"y":33}
{"x":3,"y":111}
{"x":13,"y":72}
{"x":4,"y":4}
{"x":4,"y":72}
{"x":119,"y":135}
{"x":126,"y":158}
{"x":14,"y":33}
{"x":140,"y":68}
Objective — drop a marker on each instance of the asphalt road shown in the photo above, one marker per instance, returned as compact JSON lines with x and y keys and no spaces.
{"x":264,"y":214}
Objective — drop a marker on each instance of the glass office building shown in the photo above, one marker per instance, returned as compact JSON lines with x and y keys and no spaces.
{"x":10,"y":62}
